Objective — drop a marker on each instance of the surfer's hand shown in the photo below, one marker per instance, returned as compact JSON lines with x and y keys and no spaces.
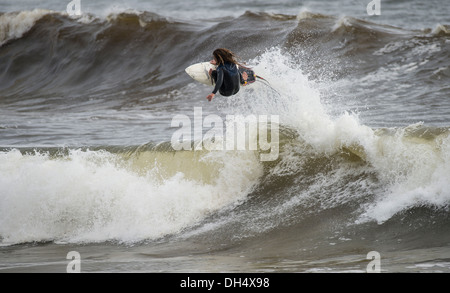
{"x":210,"y":97}
{"x":245,"y":75}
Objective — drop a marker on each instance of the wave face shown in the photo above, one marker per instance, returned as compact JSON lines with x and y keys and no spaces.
{"x":364,"y":141}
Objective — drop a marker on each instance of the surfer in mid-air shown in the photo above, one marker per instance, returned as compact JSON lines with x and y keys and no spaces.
{"x":227,"y":76}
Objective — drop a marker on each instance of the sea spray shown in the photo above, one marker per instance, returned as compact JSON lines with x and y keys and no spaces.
{"x":95,"y":196}
{"x":410,"y":162}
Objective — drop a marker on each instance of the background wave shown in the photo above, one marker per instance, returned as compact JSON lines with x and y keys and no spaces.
{"x":142,"y":52}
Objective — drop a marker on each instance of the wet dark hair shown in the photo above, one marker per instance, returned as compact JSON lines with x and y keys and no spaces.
{"x":223,"y":55}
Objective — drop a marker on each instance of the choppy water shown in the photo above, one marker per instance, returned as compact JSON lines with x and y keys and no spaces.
{"x":363,"y":161}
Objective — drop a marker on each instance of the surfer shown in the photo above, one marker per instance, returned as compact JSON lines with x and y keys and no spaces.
{"x":227,"y":76}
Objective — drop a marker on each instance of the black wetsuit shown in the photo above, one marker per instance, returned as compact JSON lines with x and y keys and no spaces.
{"x":228,"y":79}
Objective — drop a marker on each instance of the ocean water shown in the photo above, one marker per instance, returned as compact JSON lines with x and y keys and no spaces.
{"x":90,"y":105}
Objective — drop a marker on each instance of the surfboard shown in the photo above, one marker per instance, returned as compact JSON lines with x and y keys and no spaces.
{"x":200,"y":73}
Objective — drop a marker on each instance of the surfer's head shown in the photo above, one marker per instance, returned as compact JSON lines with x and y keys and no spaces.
{"x":223,"y":55}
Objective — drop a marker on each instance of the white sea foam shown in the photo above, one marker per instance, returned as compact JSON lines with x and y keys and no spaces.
{"x":415,"y":171}
{"x":91,"y":196}
{"x":440,"y":28}
{"x":418,"y":174}
{"x":14,"y":25}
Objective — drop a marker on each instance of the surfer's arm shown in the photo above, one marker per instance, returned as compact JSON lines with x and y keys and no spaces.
{"x":219,"y":81}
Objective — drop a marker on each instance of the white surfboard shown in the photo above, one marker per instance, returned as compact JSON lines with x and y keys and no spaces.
{"x":200,"y":72}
